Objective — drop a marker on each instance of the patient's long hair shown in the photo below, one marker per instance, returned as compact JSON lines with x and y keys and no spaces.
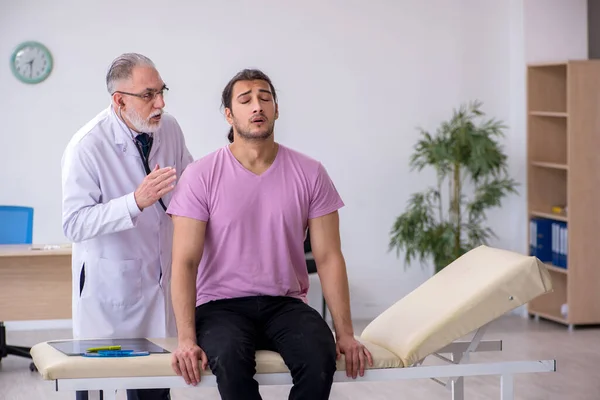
{"x":243,"y":75}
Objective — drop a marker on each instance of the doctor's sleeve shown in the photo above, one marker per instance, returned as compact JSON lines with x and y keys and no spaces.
{"x":186,"y":157}
{"x":84,"y":214}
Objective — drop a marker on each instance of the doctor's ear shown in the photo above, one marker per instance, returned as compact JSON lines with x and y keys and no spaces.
{"x":118,"y":99}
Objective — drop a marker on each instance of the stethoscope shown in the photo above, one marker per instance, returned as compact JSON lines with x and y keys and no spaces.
{"x":131,"y":135}
{"x":139,"y":149}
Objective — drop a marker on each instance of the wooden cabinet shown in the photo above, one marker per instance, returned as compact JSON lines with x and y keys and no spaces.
{"x":563,"y":169}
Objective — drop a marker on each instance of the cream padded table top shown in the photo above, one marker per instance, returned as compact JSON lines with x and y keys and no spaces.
{"x":53,"y":364}
{"x":472,"y":291}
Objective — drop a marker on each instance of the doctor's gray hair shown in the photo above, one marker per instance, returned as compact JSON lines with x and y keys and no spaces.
{"x":122,"y":67}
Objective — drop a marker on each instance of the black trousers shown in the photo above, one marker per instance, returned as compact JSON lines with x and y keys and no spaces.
{"x":135,"y":394}
{"x":230,"y":331}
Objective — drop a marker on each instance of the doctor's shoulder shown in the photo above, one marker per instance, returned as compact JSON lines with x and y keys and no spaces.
{"x":170,"y":125}
{"x":91,"y":137}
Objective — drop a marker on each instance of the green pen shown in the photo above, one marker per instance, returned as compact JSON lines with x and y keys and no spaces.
{"x":96,"y":349}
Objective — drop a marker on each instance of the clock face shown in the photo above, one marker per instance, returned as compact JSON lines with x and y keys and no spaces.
{"x":31,"y":62}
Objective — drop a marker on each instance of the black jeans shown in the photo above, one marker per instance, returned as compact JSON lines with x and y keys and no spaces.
{"x":135,"y":394}
{"x":230,"y":331}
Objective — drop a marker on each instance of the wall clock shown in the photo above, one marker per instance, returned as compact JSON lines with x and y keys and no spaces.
{"x":31,"y":62}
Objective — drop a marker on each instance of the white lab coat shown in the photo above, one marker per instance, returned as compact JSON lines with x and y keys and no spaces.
{"x":123,"y":251}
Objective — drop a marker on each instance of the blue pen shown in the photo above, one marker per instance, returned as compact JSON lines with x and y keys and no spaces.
{"x":117,"y":353}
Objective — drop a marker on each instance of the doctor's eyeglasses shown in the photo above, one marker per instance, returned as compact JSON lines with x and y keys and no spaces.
{"x":147,"y":95}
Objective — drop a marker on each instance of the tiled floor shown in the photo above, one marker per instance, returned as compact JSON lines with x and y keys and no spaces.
{"x":577,"y":377}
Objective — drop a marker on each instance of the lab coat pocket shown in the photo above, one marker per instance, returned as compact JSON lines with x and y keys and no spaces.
{"x":81,"y":279}
{"x":117,"y":283}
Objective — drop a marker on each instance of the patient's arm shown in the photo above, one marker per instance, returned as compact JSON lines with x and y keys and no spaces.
{"x":331,"y":267}
{"x":188,"y":245}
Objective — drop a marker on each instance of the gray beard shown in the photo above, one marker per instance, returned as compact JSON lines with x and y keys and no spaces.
{"x":140,"y":124}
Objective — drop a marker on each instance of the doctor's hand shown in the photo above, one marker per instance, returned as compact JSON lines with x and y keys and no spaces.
{"x":185,"y":361}
{"x":155,"y":185}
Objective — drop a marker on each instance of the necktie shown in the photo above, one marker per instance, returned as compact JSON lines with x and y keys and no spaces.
{"x":145,"y":141}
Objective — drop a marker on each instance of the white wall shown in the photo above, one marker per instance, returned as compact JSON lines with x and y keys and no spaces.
{"x":354,"y":81}
{"x":555,"y":30}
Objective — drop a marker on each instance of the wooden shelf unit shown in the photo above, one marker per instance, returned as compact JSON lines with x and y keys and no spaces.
{"x":563,"y":168}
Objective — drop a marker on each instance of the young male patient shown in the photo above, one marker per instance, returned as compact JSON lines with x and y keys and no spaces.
{"x":239,"y":283}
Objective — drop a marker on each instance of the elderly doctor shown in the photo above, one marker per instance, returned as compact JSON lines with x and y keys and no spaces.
{"x":118,"y":172}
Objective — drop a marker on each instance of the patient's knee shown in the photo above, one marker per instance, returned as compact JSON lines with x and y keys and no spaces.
{"x":232,"y":356}
{"x":316,"y":365}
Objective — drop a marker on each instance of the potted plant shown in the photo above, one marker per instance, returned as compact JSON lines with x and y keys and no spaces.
{"x":470,"y":162}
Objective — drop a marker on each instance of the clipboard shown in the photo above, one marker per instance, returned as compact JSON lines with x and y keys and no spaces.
{"x":79,"y":347}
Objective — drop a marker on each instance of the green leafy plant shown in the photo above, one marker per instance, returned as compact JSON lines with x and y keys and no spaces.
{"x":466,"y":156}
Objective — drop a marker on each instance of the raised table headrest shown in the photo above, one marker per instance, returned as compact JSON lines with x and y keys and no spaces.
{"x":475,"y":289}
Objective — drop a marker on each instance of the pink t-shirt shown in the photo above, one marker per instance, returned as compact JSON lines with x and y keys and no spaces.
{"x":256,"y":226}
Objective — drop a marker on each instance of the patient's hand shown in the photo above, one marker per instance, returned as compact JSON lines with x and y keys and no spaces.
{"x":185,"y":361}
{"x":356,"y":355}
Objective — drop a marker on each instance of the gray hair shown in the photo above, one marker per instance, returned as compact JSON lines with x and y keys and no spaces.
{"x":122,"y":67}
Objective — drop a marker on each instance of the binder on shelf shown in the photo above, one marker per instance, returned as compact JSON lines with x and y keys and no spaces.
{"x":555,"y":241}
{"x":560,"y":244}
{"x":563,"y":246}
{"x":540,"y":239}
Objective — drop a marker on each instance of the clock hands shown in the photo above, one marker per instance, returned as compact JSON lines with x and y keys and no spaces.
{"x":30,"y":67}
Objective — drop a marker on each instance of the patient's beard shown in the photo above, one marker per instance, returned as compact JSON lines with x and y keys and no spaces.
{"x":261,"y":135}
{"x":143,"y":125}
